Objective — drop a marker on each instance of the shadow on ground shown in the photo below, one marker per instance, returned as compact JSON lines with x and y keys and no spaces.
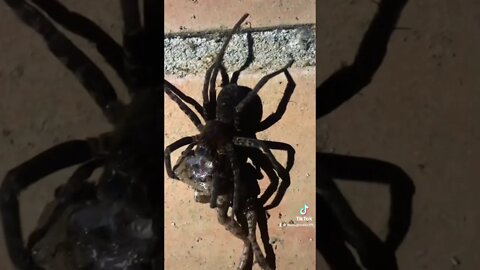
{"x":338,"y":224}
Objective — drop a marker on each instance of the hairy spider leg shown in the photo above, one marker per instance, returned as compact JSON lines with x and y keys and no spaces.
{"x":284,"y":175}
{"x":185,"y":98}
{"x":84,"y":27}
{"x":170,"y":90}
{"x":254,"y":92}
{"x":89,"y":75}
{"x":219,"y":60}
{"x":208,"y":107}
{"x":232,"y":157}
{"x":172,"y":147}
{"x":248,"y":61}
{"x":209,"y":103}
{"x":65,"y":194}
{"x":56,"y":158}
{"x":262,"y":161}
{"x":224,"y":74}
{"x":223,"y":204}
{"x":282,"y":106}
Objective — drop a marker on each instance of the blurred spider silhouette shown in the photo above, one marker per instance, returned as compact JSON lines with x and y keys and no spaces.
{"x":340,"y":225}
{"x":112,"y":223}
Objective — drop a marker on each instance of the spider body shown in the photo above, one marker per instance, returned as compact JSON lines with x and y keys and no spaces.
{"x":209,"y":157}
{"x":215,"y":161}
{"x":110,"y":222}
{"x":225,"y":131}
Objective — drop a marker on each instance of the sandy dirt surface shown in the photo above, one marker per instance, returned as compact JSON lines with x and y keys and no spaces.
{"x":421,"y":113}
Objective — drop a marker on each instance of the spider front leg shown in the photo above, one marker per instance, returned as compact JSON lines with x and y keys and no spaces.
{"x":172,"y":92}
{"x":209,"y":103}
{"x":59,"y":157}
{"x":241,"y":105}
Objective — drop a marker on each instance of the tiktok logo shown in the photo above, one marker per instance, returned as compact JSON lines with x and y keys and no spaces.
{"x":303,"y":210}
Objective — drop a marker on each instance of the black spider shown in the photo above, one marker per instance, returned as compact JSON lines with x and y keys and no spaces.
{"x":195,"y":169}
{"x":224,"y":129}
{"x":114,"y":221}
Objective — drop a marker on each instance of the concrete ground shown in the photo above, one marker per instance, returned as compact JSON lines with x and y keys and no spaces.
{"x":421,"y":113}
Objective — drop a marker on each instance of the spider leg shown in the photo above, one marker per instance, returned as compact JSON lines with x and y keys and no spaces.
{"x":251,"y":216}
{"x":80,"y":25}
{"x":249,"y":60}
{"x":259,"y":158}
{"x":209,"y":103}
{"x":21,"y":177}
{"x":219,"y":59}
{"x":185,"y":98}
{"x":224,"y":74}
{"x":212,"y":72}
{"x":215,"y":187}
{"x":89,"y":75}
{"x":208,"y":110}
{"x":170,"y":90}
{"x":282,"y":106}
{"x":254,"y":92}
{"x":172,"y":147}
{"x":282,"y":172}
{"x":236,"y":175}
{"x":223,"y":203}
{"x":64,"y":195}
